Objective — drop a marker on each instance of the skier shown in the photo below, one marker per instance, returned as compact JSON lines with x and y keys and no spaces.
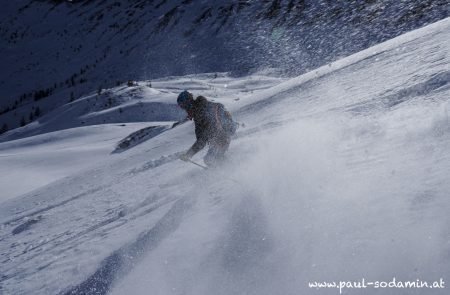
{"x":213,"y":125}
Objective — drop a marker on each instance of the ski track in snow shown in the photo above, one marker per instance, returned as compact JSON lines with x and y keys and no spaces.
{"x":340,"y":174}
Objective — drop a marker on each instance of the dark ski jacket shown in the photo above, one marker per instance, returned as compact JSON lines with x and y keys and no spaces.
{"x":209,"y":124}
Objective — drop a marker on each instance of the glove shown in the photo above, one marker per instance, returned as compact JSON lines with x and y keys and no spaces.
{"x":185,"y":157}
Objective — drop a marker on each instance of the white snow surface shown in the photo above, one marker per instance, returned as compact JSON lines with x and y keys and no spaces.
{"x":340,"y":174}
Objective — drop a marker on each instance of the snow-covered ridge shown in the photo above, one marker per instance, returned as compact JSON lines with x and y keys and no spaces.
{"x":144,"y":102}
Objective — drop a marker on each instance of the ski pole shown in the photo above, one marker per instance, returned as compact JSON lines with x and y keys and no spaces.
{"x":199,"y":165}
{"x":229,"y":178}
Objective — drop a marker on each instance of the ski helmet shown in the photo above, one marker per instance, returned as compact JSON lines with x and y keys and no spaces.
{"x":185,"y":99}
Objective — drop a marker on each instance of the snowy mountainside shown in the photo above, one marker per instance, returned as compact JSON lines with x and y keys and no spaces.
{"x":340,"y":174}
{"x":105,"y":122}
{"x":143,"y":102}
{"x":54,"y":52}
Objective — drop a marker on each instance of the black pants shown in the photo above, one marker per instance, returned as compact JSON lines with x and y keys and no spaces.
{"x":216,"y":153}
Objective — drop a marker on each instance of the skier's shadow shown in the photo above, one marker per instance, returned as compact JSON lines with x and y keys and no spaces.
{"x":247,"y":240}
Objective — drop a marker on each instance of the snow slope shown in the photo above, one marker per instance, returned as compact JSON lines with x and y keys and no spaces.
{"x":41,"y":154}
{"x":32,"y":162}
{"x":340,"y":174}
